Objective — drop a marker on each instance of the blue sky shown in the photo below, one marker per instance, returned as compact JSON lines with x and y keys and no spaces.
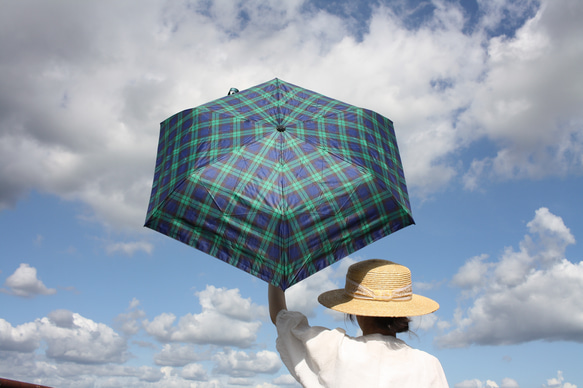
{"x":486,"y":99}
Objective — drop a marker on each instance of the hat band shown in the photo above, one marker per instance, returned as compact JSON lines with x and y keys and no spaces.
{"x":358,"y":291}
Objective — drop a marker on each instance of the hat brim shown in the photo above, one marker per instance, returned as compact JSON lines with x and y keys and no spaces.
{"x":338,"y":300}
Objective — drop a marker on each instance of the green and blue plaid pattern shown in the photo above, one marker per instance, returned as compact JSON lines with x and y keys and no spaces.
{"x":278,"y":181}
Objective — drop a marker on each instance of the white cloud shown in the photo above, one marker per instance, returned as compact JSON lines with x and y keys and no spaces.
{"x":80,"y":100}
{"x":226,"y":319}
{"x":129,"y":323}
{"x":81,"y":106}
{"x":534,"y":287}
{"x":129,"y":248}
{"x":134,"y":304}
{"x":161,"y":326}
{"x":507,"y":382}
{"x":469,"y":384}
{"x":71,"y":337}
{"x":424,"y":322}
{"x":529,"y":101}
{"x":68,"y":337}
{"x":39,"y":239}
{"x":149,"y":374}
{"x":180,"y":355}
{"x":240,"y":381}
{"x":303,"y":296}
{"x":558,"y":382}
{"x":471,"y":274}
{"x":194,"y":372}
{"x":502,"y":13}
{"x":242,"y":364}
{"x":475,"y":383}
{"x":228,"y":302}
{"x":425,"y":286}
{"x":285,"y":380}
{"x":22,"y":338}
{"x":28,"y":366}
{"x":24,"y":282}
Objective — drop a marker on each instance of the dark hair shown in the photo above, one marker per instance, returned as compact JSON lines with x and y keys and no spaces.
{"x":395,"y":324}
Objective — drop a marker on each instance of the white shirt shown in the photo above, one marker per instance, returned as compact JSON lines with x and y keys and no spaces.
{"x":319,"y":357}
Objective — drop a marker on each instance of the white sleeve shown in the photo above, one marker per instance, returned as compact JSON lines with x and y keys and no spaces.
{"x":306,"y":351}
{"x":439,"y":380}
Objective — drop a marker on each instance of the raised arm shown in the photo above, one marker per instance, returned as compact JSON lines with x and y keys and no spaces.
{"x":276,"y":298}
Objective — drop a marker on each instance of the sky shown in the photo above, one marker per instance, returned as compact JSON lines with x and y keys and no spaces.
{"x":486,"y":99}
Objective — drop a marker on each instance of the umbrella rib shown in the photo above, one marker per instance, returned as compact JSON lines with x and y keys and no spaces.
{"x":161,"y":205}
{"x":283,"y":239}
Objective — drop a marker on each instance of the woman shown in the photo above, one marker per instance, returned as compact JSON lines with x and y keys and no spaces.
{"x":379,"y":293}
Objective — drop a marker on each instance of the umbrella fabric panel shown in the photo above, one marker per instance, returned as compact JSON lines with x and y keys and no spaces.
{"x":196,"y":137}
{"x":354,"y":137}
{"x":278,"y":181}
{"x":192,"y":139}
{"x":227,"y":210}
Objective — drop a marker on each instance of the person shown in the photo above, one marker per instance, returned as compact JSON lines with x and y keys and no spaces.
{"x":379,"y":293}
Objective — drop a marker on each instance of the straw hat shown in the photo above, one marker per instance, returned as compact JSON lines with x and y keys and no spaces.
{"x":378,"y":288}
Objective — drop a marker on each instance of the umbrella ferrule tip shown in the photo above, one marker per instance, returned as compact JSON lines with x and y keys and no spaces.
{"x":280,"y":128}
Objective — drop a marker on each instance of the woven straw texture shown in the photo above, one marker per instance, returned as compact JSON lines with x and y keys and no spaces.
{"x":382,"y":278}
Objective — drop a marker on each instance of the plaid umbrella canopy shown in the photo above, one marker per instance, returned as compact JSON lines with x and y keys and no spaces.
{"x":278,"y":181}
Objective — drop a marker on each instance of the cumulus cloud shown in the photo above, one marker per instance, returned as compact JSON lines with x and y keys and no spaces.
{"x":149,"y":374}
{"x":424,"y":322}
{"x":507,"y":382}
{"x":129,"y":322}
{"x":68,"y":337}
{"x":179,"y":355}
{"x":475,"y":383}
{"x":129,"y":248}
{"x":22,"y":338}
{"x":558,"y":382}
{"x":529,"y":294}
{"x":81,"y":101}
{"x":471,"y":276}
{"x":241,"y":364}
{"x":70,"y":375}
{"x":226,"y":319}
{"x":266,"y":385}
{"x":529,"y":101}
{"x":303,"y":296}
{"x":194,"y":372}
{"x":24,"y":282}
{"x":71,"y":337}
{"x":285,"y":380}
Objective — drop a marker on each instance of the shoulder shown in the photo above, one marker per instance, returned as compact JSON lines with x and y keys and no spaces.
{"x":288,"y":320}
{"x":294,"y":323}
{"x":433,"y":369}
{"x":407,"y":352}
{"x":429,"y":361}
{"x":285,"y":316}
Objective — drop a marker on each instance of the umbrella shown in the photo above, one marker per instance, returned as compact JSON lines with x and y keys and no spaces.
{"x":278,"y":180}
